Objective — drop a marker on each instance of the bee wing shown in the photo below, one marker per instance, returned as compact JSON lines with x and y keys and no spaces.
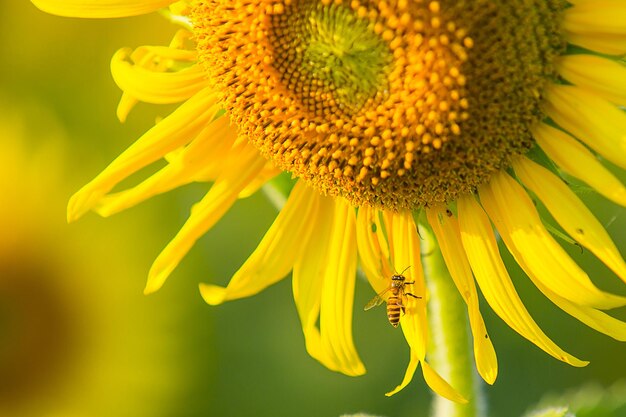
{"x":376,"y":301}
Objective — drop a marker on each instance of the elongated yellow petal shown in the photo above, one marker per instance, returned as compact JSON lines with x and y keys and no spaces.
{"x":156,"y":86}
{"x":573,"y":216}
{"x":406,"y":251}
{"x":440,"y":385}
{"x":268,"y":172}
{"x":601,"y":16}
{"x":600,"y":42}
{"x":432,"y":378}
{"x":100,"y":8}
{"x":270,"y":262}
{"x":174,"y":131}
{"x":535,"y":250}
{"x":495,"y":283}
{"x":593,"y":318}
{"x":245,"y":163}
{"x":575,"y":159}
{"x":591,"y":119}
{"x":373,"y":248}
{"x":339,"y":272}
{"x":599,"y":75}
{"x":408,"y":374}
{"x":308,"y":278}
{"x":597,"y":25}
{"x":446,"y":230}
{"x":205,"y":154}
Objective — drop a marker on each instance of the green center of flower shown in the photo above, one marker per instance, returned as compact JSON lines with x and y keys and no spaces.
{"x":329,"y":57}
{"x":397,"y":104}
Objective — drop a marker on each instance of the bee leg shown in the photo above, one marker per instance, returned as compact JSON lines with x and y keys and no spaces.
{"x":412,"y":295}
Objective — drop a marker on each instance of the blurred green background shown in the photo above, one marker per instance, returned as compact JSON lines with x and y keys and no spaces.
{"x":78,"y":338}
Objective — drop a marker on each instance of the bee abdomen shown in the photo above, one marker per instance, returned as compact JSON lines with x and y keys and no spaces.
{"x":393,"y":311}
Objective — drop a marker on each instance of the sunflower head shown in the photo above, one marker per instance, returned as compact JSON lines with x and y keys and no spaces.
{"x":397,"y":104}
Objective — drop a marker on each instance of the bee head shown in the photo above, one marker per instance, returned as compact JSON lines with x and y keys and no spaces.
{"x":397,"y":278}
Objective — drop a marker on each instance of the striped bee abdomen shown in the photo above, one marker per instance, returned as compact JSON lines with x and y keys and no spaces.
{"x":394,"y":309}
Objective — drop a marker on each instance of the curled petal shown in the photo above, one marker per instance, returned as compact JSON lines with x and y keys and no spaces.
{"x":156,"y":87}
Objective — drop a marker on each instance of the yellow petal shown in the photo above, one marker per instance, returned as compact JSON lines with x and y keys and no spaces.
{"x":600,"y":42}
{"x":245,"y":163}
{"x":599,"y":75}
{"x":201,"y":160}
{"x":493,"y":278}
{"x":405,"y":251}
{"x":275,"y":255}
{"x":408,"y":374}
{"x":446,"y":230}
{"x":268,"y":172}
{"x":432,"y":378}
{"x":573,"y":216}
{"x":339,"y":275}
{"x":440,"y":386}
{"x":593,"y":318}
{"x":126,"y":104}
{"x":591,"y":119}
{"x":154,"y":86}
{"x":600,"y":16}
{"x":575,"y":159}
{"x":308,"y":276}
{"x":100,"y":8}
{"x":152,"y":59}
{"x":174,"y":131}
{"x":373,"y":248}
{"x":535,"y":250}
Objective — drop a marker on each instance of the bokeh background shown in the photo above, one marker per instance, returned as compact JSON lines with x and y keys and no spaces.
{"x":78,"y":337}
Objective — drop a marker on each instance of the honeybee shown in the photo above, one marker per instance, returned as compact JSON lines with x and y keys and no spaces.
{"x":395,"y":301}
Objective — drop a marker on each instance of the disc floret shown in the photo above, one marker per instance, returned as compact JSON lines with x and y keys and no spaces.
{"x":397,"y":104}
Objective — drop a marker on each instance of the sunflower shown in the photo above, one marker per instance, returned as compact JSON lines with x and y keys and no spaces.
{"x":462,"y":116}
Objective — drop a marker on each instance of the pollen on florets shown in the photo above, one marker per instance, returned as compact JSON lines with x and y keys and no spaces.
{"x":397,"y":104}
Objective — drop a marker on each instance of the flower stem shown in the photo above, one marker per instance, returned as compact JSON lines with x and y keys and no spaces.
{"x":449,"y":335}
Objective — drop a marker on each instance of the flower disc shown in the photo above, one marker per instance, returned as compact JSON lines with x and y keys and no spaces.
{"x":397,"y":104}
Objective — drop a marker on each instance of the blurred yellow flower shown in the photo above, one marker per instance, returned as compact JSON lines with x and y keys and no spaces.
{"x":74,"y":341}
{"x":392,"y":107}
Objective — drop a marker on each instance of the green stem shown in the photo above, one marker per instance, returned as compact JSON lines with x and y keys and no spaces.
{"x":450,"y":337}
